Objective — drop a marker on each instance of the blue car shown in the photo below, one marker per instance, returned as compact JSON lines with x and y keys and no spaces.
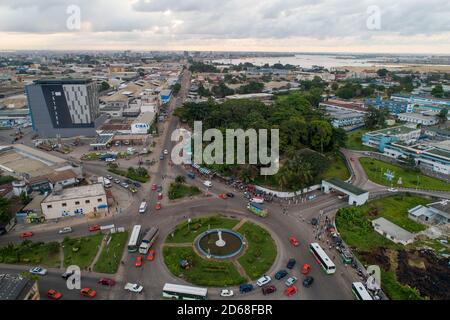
{"x":244,"y":288}
{"x":281,"y":274}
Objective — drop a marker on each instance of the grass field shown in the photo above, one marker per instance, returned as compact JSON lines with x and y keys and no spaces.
{"x":354,"y":141}
{"x":112,"y":254}
{"x":28,"y":252}
{"x":395,"y":209}
{"x":81,"y":251}
{"x":338,"y":168}
{"x":185,"y":233}
{"x":261,"y":251}
{"x":375,"y":170}
{"x":180,"y":190}
{"x":202,"y":272}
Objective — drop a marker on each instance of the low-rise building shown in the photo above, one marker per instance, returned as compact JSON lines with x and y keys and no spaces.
{"x":392,"y":232}
{"x":143,"y":123}
{"x":436,"y":213}
{"x":16,"y":287}
{"x":380,"y":138}
{"x":423,"y":119}
{"x":84,"y":200}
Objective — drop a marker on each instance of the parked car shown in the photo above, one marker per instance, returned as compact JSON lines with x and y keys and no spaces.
{"x":291,"y":263}
{"x":66,"y":275}
{"x":65,"y":230}
{"x":94,"y":228}
{"x":106,"y":282}
{"x":294,"y":241}
{"x":226,"y":293}
{"x":134,"y":287}
{"x":88,"y":292}
{"x":154,"y":186}
{"x":392,"y":190}
{"x":158,"y":206}
{"x":269,"y":289}
{"x":281,"y":274}
{"x":166,"y":152}
{"x":290,"y":291}
{"x":137,"y":184}
{"x":161,"y":157}
{"x":124,"y":185}
{"x":53,"y":294}
{"x":38,"y":271}
{"x":290,"y":281}
{"x":308,"y":281}
{"x":133,"y":190}
{"x":244,"y":288}
{"x":117,"y":181}
{"x":263,"y":280}
{"x":160,"y":196}
{"x":230,"y":195}
{"x":138,"y":262}
{"x":159,"y":189}
{"x":109,"y":177}
{"x":27,"y":234}
{"x":305,"y":269}
{"x":151,"y":255}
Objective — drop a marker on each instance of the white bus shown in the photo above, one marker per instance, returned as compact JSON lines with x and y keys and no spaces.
{"x":179,"y":292}
{"x":148,"y":240}
{"x":327,"y":265}
{"x":143,"y":207}
{"x":133,"y":244}
{"x":360,"y":292}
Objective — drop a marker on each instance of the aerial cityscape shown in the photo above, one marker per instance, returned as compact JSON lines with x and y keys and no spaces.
{"x":183,"y":154}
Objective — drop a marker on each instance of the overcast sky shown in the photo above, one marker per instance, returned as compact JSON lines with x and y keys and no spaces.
{"x":405,"y":26}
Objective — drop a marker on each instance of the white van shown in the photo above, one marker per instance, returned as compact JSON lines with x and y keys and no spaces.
{"x":208,"y":184}
{"x":143,"y":207}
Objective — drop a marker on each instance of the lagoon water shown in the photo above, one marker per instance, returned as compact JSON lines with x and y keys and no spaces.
{"x":309,"y":60}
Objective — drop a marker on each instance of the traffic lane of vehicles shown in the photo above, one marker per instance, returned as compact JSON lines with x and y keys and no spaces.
{"x":54,"y":280}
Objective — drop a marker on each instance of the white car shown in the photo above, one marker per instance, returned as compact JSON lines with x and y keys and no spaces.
{"x":134,"y":287}
{"x":65,"y":230}
{"x":166,"y":152}
{"x":124,"y":185}
{"x":392,"y":190}
{"x":39,"y":271}
{"x":109,"y":177}
{"x":263,"y":281}
{"x":226,"y":293}
{"x":207,"y":184}
{"x":289,"y":282}
{"x":117,"y":181}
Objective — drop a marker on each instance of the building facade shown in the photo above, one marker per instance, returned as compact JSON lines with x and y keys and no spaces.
{"x":64,"y":108}
{"x":85,"y":200}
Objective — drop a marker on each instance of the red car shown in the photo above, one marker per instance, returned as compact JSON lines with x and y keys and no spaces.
{"x":53,"y":294}
{"x":158,"y":206}
{"x":160,"y":196}
{"x":106,"y":282}
{"x":94,"y":228}
{"x":305,"y":269}
{"x":154,"y":186}
{"x":151,"y":255}
{"x":138,"y":262}
{"x":223,"y":196}
{"x":290,"y":291}
{"x":293,"y":241}
{"x":26,"y":234}
{"x":88,"y":292}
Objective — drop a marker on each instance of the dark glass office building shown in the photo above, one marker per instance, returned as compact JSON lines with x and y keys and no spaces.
{"x":64,"y":108}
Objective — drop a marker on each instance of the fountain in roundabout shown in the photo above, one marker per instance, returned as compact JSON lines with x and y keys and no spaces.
{"x":220,"y":243}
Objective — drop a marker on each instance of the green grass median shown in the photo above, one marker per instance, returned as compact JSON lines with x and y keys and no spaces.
{"x":81,"y":251}
{"x":111,"y":255}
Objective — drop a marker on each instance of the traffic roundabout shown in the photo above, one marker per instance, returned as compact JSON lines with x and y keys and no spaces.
{"x":219,"y":251}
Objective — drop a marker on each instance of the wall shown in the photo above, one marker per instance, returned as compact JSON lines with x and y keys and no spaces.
{"x":58,"y":211}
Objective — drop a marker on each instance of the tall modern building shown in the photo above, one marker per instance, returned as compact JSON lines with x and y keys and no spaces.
{"x":64,"y":108}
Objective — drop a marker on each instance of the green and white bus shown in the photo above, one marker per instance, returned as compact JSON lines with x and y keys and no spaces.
{"x":321,"y":257}
{"x":180,"y":292}
{"x":133,"y":244}
{"x":360,"y":292}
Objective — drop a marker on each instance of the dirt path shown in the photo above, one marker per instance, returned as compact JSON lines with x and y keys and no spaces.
{"x":240,"y":224}
{"x":99,"y":252}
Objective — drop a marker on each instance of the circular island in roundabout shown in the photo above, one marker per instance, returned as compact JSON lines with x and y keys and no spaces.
{"x":218,"y":251}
